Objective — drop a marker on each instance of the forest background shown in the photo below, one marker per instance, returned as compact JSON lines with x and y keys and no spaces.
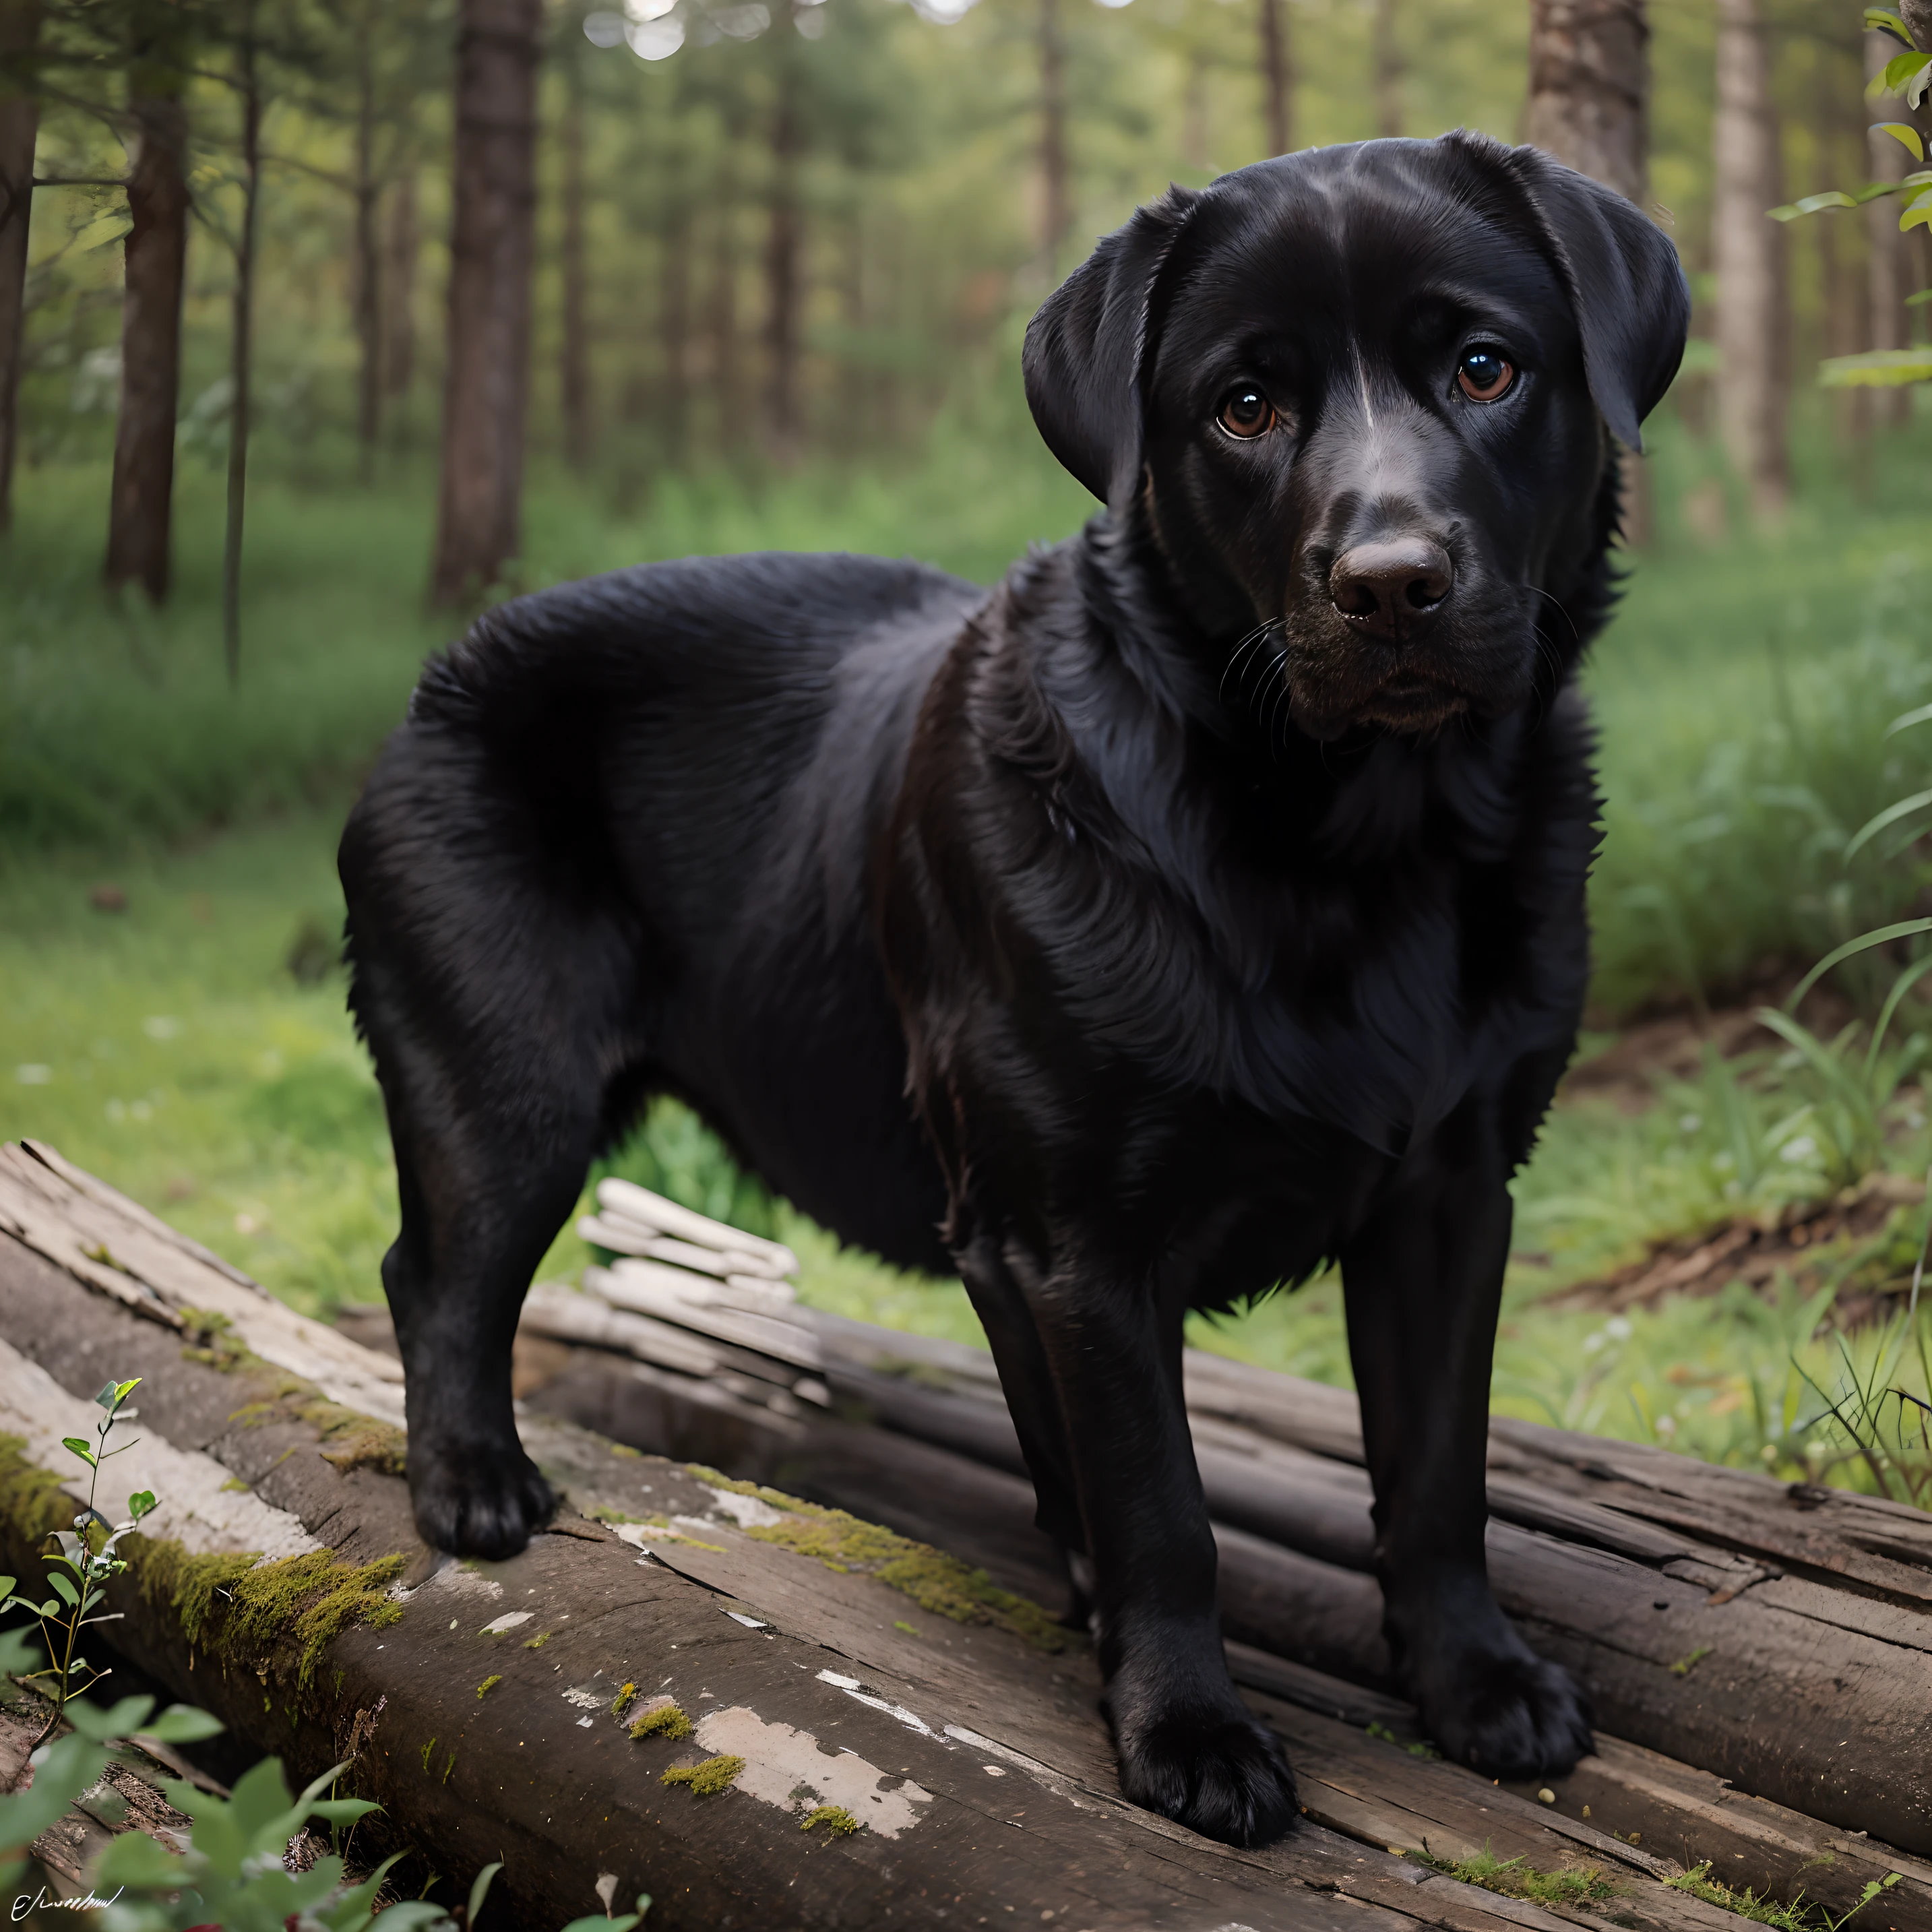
{"x":765,"y":268}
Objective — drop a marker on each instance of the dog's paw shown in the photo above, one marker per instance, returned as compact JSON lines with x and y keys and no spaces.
{"x":1509,"y":1714}
{"x":1223,"y":1774}
{"x":478,"y":1502}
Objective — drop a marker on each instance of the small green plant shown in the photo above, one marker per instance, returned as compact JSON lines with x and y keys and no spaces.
{"x":839,"y":1822}
{"x":1421,"y":1747}
{"x":708,"y":1780}
{"x":1515,"y":1878}
{"x":1797,"y":1916}
{"x":86,"y":1563}
{"x":666,"y":1720}
{"x":231,"y":1875}
{"x":73,"y":1764}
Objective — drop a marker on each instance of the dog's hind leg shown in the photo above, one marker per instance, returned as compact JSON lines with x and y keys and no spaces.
{"x":492,"y":1006}
{"x":1423,"y":1284}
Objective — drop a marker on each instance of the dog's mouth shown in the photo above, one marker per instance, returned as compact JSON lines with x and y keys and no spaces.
{"x":1409,"y":702}
{"x":1339,"y":681}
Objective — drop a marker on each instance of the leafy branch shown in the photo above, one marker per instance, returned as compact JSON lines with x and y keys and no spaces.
{"x":88,"y":1566}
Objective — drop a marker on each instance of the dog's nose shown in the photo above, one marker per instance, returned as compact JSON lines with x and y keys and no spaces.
{"x":1393,"y":588}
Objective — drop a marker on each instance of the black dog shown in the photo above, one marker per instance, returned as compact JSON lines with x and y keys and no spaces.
{"x":1214,"y":887}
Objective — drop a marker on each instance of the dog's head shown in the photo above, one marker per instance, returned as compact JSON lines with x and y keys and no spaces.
{"x":1361,"y":395}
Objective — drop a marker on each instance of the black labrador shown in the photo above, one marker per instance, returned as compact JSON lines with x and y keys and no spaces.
{"x":1203,"y":903}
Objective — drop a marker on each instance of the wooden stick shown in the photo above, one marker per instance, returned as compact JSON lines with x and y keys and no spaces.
{"x":627,"y":1200}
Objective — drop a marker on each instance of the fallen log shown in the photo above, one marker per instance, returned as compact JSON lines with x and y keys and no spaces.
{"x":1774,"y":1636}
{"x":831,"y":1675}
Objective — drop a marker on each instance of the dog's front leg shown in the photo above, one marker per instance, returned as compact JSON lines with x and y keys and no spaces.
{"x":1423,"y":1283}
{"x":1188,"y":1746}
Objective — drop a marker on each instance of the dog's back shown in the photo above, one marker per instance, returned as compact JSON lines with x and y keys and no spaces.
{"x":562,"y":875}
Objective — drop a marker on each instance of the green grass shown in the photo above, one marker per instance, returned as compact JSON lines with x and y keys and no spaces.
{"x":1514,"y":1878}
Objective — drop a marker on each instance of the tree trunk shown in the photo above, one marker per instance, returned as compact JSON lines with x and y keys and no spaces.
{"x":1589,"y":106}
{"x":1589,"y":90}
{"x":241,"y":345}
{"x":368,"y":259}
{"x":400,"y":246}
{"x":782,"y":290}
{"x":721,"y":320}
{"x":574,"y":360}
{"x":1747,"y":253}
{"x":20,"y":121}
{"x":156,"y":260}
{"x":486,"y":387}
{"x":1056,"y":212}
{"x":1277,"y":77}
{"x":856,"y":378}
{"x":674,"y":316}
{"x":1194,"y":142}
{"x":1390,"y":68}
{"x":1887,"y":270}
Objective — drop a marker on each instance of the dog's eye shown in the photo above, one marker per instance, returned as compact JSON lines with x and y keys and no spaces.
{"x":1246,"y":413}
{"x":1482,"y":375}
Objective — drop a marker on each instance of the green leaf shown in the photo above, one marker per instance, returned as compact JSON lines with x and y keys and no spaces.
{"x":110,"y":1393}
{"x":342,"y":1811}
{"x":1923,"y":714}
{"x":119,"y":1720}
{"x":1810,"y":205}
{"x":123,"y":1390}
{"x":71,"y":1764}
{"x":63,"y":1589}
{"x":1905,"y":929}
{"x":134,"y":1860}
{"x":1904,"y":133}
{"x":1918,"y":300}
{"x":1900,"y":808}
{"x":18,"y":1653}
{"x":142,"y":1503}
{"x":261,"y":1797}
{"x":1901,"y":67}
{"x":1883,"y":20}
{"x":78,"y":1445}
{"x":479,"y":1890}
{"x":182,"y":1724}
{"x":351,"y":1912}
{"x":413,"y":1912}
{"x":622,"y":1924}
{"x":1876,"y":368}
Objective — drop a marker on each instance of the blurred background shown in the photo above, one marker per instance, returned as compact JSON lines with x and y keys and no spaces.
{"x":323,"y":322}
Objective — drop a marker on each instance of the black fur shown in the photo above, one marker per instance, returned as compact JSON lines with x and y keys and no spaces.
{"x":1216,"y":923}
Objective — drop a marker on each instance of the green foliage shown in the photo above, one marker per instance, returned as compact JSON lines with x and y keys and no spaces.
{"x":666,"y":1720}
{"x":85,"y":1561}
{"x":1797,"y":1916}
{"x":839,"y":1822}
{"x":73,"y":1764}
{"x":232,"y":1876}
{"x":1517,"y":1878}
{"x":711,"y":1779}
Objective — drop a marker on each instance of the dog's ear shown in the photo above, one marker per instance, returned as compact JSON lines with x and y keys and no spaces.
{"x":1084,"y":349}
{"x":1626,"y":286}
